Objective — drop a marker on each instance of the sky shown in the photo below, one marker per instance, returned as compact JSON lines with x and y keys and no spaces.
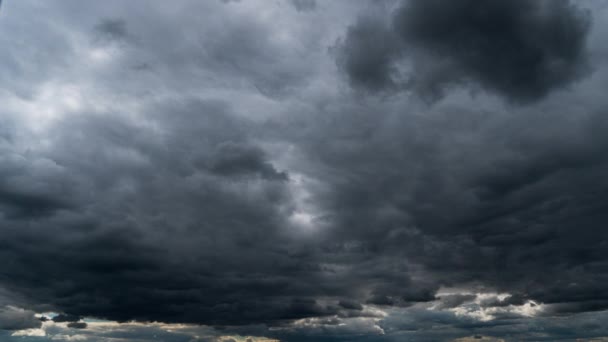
{"x":303,"y":170}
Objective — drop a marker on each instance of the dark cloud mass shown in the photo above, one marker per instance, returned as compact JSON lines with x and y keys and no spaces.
{"x":66,"y":318}
{"x":368,"y":54}
{"x":519,"y":49}
{"x":77,"y":325}
{"x":259,"y":171}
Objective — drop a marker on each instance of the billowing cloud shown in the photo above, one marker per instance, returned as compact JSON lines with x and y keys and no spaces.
{"x":521,"y":50}
{"x":201,"y":171}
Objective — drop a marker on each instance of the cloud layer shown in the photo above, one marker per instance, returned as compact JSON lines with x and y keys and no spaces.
{"x":521,"y":50}
{"x":303,"y":170}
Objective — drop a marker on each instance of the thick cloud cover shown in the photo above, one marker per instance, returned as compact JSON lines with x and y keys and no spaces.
{"x":159,"y":170}
{"x":519,"y":49}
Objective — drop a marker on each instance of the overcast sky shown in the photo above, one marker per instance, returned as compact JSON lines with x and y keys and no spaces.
{"x":303,"y":170}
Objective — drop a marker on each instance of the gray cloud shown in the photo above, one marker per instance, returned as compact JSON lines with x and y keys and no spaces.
{"x":521,"y":50}
{"x":13,"y":318}
{"x":455,"y":300}
{"x":111,"y":30}
{"x":66,"y":318}
{"x":77,"y":325}
{"x":304,"y":5}
{"x":245,"y":216}
{"x":179,"y":166}
{"x":368,"y":54}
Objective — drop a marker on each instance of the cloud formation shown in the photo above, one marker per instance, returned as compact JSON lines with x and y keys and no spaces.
{"x":13,"y":318}
{"x":207,"y":180}
{"x":521,"y":50}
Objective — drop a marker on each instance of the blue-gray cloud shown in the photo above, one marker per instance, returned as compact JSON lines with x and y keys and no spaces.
{"x":207,"y":163}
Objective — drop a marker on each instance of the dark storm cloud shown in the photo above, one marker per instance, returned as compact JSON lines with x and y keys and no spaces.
{"x":452,"y":301}
{"x":66,"y":318}
{"x":178,"y":216}
{"x":107,"y":246}
{"x":348,"y":304}
{"x":199,"y":237}
{"x":520,"y":49}
{"x":25,"y":204}
{"x":427,"y":199}
{"x":368,"y":53}
{"x":19,"y":197}
{"x":231,"y":182}
{"x":232,"y":160}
